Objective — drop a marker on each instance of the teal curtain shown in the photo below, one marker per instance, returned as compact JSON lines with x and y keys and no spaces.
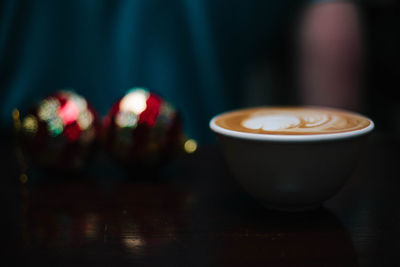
{"x":192,"y":52}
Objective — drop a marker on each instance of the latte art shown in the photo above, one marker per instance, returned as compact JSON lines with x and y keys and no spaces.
{"x":292,"y":121}
{"x":271,"y":122}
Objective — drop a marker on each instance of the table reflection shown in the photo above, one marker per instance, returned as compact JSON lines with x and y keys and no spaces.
{"x":166,"y":224}
{"x":131,"y":218}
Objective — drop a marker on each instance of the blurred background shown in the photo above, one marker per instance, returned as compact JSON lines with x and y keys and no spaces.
{"x":205,"y":57}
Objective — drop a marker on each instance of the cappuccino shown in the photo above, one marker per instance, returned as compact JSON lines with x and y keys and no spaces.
{"x":280,"y":154}
{"x":292,"y":121}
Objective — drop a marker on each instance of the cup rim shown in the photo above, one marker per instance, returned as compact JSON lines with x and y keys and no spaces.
{"x":290,"y":138}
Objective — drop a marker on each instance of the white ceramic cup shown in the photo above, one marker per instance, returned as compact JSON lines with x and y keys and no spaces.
{"x":291,"y":172}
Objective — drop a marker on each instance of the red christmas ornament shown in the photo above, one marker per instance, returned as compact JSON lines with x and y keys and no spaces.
{"x":141,"y":129}
{"x":58,"y":132}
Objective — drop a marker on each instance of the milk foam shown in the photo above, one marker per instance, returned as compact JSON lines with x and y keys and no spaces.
{"x":271,"y":122}
{"x":294,"y":121}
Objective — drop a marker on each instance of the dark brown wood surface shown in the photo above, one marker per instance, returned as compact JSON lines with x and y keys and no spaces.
{"x":193,"y":213}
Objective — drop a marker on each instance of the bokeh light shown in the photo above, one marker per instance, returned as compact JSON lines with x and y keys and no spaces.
{"x":69,"y":112}
{"x":190,"y":146}
{"x":30,"y":125}
{"x":134,"y":242}
{"x":126,"y":119}
{"x":55,"y":126}
{"x":78,"y":100}
{"x":134,"y":101}
{"x":85,"y":119}
{"x":48,"y":108}
{"x":16,"y":119}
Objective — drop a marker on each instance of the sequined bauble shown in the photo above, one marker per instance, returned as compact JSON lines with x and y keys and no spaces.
{"x":141,"y":129}
{"x":58,"y":132}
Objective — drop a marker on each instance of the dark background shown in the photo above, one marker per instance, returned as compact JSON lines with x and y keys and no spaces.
{"x":382,"y":70}
{"x":205,"y":57}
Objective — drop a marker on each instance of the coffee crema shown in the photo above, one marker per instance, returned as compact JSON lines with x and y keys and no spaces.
{"x":292,"y":120}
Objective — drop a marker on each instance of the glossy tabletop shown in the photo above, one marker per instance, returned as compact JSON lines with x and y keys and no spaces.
{"x":193,"y":213}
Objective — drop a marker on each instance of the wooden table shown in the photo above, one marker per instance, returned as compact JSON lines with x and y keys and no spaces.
{"x":193,"y":213}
